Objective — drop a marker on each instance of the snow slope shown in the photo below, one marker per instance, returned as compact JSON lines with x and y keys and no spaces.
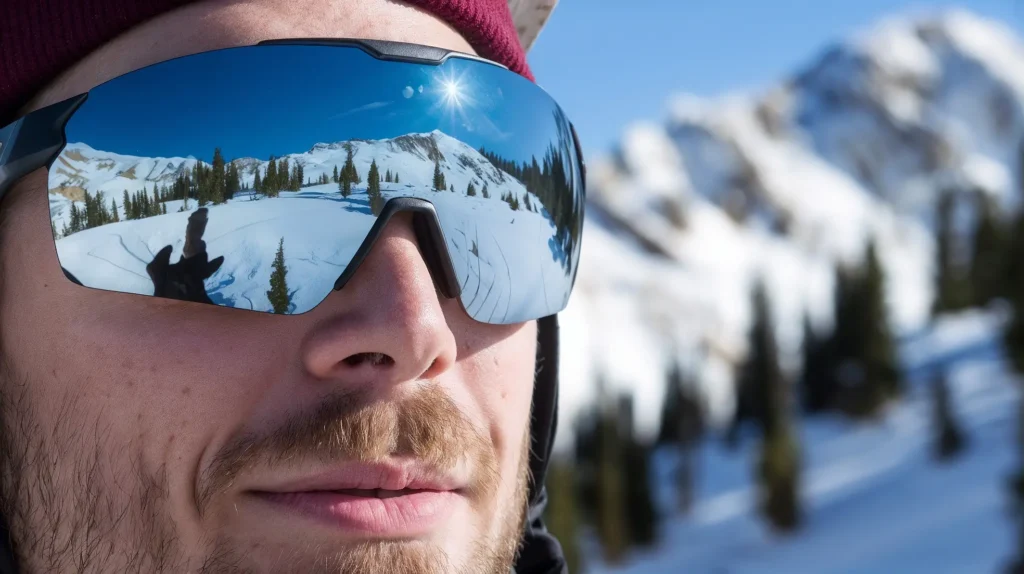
{"x":875,"y":501}
{"x":784,"y":185}
{"x":322,"y":230}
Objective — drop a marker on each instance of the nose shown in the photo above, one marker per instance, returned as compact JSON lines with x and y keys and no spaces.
{"x":387,"y":324}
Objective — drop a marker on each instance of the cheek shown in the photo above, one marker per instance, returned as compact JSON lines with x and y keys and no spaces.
{"x":156,"y":375}
{"x":501,"y":376}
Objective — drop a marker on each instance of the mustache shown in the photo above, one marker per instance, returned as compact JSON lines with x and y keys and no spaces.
{"x":427,"y":426}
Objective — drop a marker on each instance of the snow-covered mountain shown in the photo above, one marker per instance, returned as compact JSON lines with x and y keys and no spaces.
{"x":412,"y":156}
{"x":782,"y":185}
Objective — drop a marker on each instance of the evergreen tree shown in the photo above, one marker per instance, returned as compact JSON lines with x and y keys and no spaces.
{"x":70,"y":226}
{"x":280,"y":178}
{"x":484,"y":192}
{"x":953,"y":287}
{"x":163,"y":209}
{"x":1014,"y":343}
{"x":639,"y":502}
{"x":562,"y":515}
{"x":949,"y":438}
{"x":233,"y":184}
{"x":373,"y":192}
{"x":356,"y":178}
{"x":881,"y":360}
{"x":126,"y":202}
{"x":278,"y":293}
{"x":77,"y":218}
{"x":396,"y":178}
{"x":90,"y":216}
{"x":100,"y":214}
{"x":218,"y":181}
{"x":1014,"y":337}
{"x":471,"y":190}
{"x":334,"y":178}
{"x":845,"y":369}
{"x":816,"y":381}
{"x":778,"y":466}
{"x":862,"y":352}
{"x":344,"y":185}
{"x":114,"y":215}
{"x":987,"y":271}
{"x":452,"y":188}
{"x":203,"y":198}
{"x":526,"y":202}
{"x":439,"y":183}
{"x":257,"y":185}
{"x":779,"y":480}
{"x":682,"y":426}
{"x":348,"y":170}
{"x":270,"y":181}
{"x":387,"y":176}
{"x":300,"y":172}
{"x":611,"y":516}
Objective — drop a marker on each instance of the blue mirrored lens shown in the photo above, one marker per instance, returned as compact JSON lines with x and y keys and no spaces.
{"x":250,"y":177}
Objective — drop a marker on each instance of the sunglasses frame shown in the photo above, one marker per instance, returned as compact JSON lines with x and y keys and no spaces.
{"x":36,"y":140}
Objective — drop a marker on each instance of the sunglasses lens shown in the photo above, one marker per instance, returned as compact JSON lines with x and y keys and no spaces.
{"x":251,"y":177}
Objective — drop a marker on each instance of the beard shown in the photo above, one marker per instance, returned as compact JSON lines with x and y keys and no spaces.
{"x":78,"y":499}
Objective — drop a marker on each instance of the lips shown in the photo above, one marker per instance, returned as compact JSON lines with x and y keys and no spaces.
{"x":390,"y":500}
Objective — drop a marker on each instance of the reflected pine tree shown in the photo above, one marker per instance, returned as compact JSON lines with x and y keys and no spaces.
{"x":552,"y":181}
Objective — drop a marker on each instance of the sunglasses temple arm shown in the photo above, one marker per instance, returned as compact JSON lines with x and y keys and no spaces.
{"x":34,"y":141}
{"x":7,"y":136}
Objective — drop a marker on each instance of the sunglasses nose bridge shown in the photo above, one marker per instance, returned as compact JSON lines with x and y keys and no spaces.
{"x":429,"y":237}
{"x":436,"y":254}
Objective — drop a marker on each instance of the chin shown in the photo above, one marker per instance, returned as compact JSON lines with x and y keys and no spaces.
{"x":452,"y":556}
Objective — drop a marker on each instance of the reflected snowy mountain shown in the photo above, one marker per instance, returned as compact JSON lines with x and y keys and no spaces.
{"x":114,"y":213}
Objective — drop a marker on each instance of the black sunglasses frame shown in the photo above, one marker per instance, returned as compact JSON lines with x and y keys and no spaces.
{"x":36,"y":140}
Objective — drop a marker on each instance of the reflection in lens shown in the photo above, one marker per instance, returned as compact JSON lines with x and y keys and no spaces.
{"x":214,"y":223}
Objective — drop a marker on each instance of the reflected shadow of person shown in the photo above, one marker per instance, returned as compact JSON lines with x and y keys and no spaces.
{"x":184,"y":280}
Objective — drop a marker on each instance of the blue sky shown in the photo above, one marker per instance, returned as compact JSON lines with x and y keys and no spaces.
{"x":608,"y":62}
{"x":189,"y":106}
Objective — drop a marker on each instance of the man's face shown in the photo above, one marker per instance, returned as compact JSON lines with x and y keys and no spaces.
{"x":149,"y":435}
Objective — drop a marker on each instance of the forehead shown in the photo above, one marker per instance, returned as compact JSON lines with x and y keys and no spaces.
{"x":205,"y":26}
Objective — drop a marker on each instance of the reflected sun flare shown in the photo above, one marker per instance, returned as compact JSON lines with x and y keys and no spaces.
{"x":452,"y":93}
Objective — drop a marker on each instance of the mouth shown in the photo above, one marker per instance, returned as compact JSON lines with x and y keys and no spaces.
{"x":375,"y":501}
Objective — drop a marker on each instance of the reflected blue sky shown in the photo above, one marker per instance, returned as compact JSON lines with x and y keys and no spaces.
{"x":254,"y":102}
{"x":609,"y":63}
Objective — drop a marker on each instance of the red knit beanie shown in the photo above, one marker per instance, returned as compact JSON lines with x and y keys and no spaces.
{"x":39,"y":39}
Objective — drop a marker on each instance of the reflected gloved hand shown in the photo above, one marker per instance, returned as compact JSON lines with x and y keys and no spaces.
{"x":184,"y":280}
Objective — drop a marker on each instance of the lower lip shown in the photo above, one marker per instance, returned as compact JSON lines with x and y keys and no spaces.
{"x":400,"y":516}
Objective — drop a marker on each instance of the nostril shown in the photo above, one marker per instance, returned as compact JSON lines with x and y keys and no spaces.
{"x":373,"y":359}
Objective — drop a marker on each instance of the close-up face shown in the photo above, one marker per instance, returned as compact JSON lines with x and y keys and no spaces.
{"x":383,"y":426}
